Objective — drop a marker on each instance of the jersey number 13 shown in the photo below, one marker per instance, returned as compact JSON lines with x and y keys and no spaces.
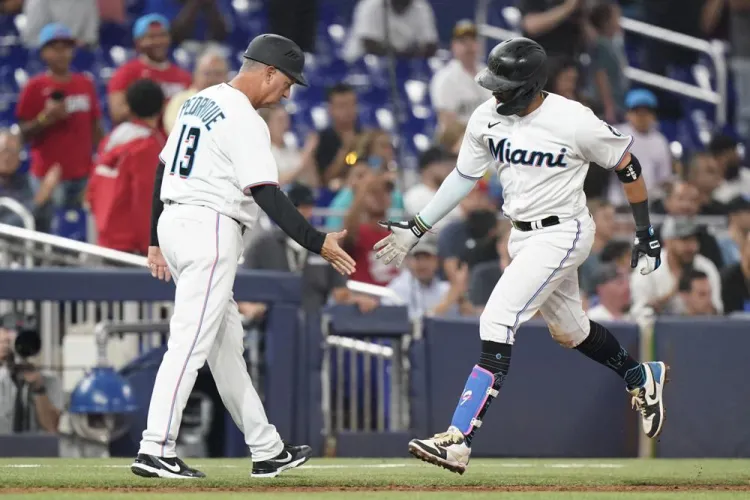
{"x":190,"y":146}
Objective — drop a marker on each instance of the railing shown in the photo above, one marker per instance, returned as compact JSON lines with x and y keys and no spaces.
{"x":714,"y":49}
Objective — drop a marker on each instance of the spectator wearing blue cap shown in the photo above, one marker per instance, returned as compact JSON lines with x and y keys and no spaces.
{"x":58,"y":112}
{"x":152,"y":42}
{"x":80,"y":16}
{"x":201,"y":20}
{"x":649,"y":145}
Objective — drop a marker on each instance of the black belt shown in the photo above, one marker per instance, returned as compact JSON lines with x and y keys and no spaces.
{"x":552,"y":220}
{"x":170,"y":202}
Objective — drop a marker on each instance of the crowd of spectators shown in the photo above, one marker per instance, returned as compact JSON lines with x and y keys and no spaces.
{"x":705,"y":272}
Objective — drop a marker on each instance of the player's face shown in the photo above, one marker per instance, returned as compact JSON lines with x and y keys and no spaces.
{"x":58,"y":55}
{"x":278,"y":87}
{"x":699,"y":298}
{"x":424,"y":266}
{"x":10,"y":148}
{"x":155,"y":43}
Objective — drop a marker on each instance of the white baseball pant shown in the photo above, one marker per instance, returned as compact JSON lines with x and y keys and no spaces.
{"x":542,"y":276}
{"x":202,"y":248}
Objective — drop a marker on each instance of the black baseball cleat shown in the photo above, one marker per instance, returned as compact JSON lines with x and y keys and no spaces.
{"x":289,"y":458}
{"x":153,"y":466}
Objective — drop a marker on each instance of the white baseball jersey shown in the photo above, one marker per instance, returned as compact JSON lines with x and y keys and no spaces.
{"x":541,"y":158}
{"x":217,"y":150}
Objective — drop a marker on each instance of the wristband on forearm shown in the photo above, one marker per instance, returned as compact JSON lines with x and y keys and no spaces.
{"x":641,"y":215}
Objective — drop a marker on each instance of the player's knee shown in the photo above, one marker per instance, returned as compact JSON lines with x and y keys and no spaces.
{"x":493,"y":331}
{"x":569,"y":337}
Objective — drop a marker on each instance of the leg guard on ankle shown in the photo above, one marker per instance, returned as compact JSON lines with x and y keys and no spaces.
{"x":476,"y":395}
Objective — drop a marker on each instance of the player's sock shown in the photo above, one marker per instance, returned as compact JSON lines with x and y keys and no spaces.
{"x":604,"y":348}
{"x":481,"y":388}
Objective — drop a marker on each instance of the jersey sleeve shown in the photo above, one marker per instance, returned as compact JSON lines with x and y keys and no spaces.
{"x":599,"y":142}
{"x":250,"y":153}
{"x":474,"y":158}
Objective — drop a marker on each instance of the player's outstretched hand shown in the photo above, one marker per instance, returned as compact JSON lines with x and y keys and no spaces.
{"x":157,"y":265}
{"x":333,"y":253}
{"x":646,"y":257}
{"x":394,"y":247}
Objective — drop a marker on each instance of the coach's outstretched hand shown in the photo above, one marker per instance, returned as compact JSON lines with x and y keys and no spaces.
{"x":333,"y":253}
{"x":646,"y":257}
{"x":404,"y":235}
{"x":157,"y":265}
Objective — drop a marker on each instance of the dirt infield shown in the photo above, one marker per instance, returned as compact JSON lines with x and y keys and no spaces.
{"x":631,"y":488}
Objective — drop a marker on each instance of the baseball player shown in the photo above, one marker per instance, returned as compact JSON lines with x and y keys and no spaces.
{"x":216,"y":174}
{"x":541,"y":145}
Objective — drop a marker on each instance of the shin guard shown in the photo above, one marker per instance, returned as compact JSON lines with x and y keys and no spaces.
{"x":475,"y":398}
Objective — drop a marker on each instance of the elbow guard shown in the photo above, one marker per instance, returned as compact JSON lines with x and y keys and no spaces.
{"x":631,"y":172}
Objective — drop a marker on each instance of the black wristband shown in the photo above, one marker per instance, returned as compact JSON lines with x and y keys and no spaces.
{"x":641,"y":215}
{"x":39,"y":390}
{"x":157,"y":206}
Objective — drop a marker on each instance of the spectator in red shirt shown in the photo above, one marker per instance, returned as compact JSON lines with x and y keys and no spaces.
{"x":59,"y":114}
{"x":122,"y":182}
{"x":371,"y":201}
{"x":152,"y":42}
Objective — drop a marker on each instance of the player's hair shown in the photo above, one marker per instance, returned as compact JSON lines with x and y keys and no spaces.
{"x":596,"y":204}
{"x":250,"y":65}
{"x":688,"y":276}
{"x":601,"y":14}
{"x":145,"y":98}
{"x":337,"y":89}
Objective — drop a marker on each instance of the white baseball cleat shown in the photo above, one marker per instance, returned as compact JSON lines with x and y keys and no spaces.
{"x":648,"y":400}
{"x":447,"y":450}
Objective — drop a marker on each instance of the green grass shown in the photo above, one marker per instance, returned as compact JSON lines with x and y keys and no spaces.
{"x":388,"y":479}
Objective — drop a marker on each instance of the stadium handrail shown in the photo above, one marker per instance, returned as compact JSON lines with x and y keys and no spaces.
{"x":714,"y":49}
{"x":30,"y":236}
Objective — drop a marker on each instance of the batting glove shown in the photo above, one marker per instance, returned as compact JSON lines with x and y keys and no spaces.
{"x":646,"y":255}
{"x":404,"y":235}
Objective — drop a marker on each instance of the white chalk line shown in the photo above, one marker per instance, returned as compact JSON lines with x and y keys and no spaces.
{"x":510,"y":465}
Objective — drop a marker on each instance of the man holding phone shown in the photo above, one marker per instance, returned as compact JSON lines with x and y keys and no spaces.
{"x":59,"y":116}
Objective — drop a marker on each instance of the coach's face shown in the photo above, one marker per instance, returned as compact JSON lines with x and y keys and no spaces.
{"x":276,"y":86}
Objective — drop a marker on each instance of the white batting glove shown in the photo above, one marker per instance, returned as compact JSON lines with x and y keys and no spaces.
{"x":646,"y":256}
{"x":404,"y":235}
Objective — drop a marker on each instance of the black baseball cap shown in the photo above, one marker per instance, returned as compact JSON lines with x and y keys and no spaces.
{"x":279,"y":52}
